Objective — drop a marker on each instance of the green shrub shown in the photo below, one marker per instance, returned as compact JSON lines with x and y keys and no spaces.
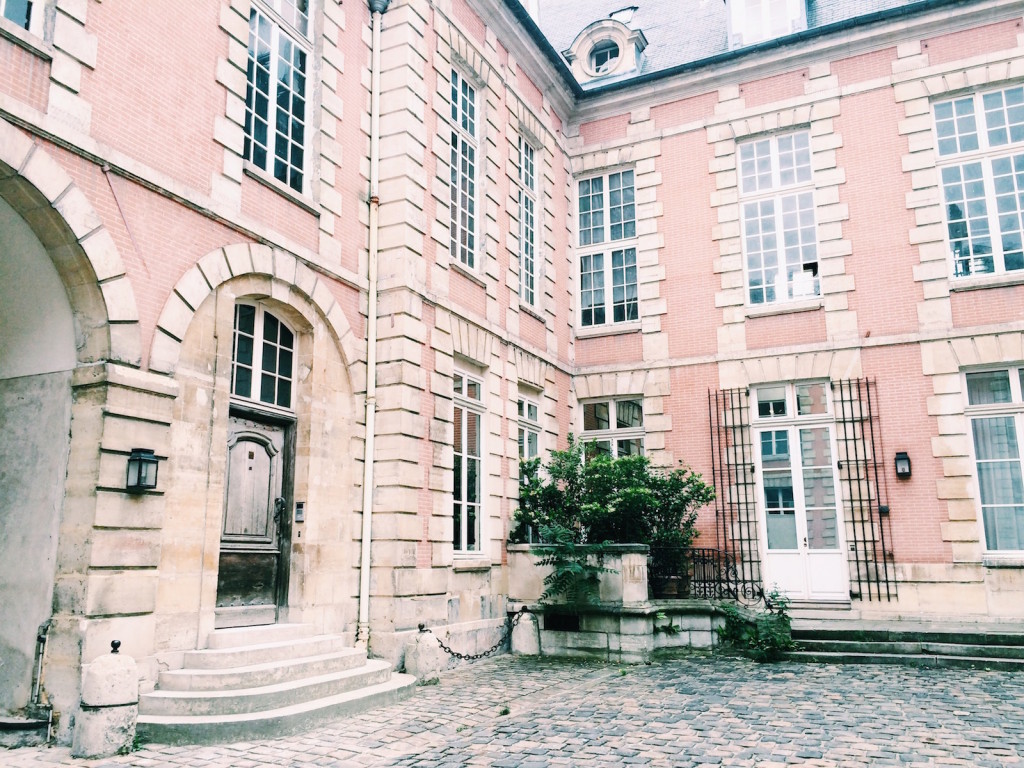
{"x":766,"y":636}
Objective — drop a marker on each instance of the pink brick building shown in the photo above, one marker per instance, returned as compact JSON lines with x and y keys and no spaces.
{"x":266,"y":239}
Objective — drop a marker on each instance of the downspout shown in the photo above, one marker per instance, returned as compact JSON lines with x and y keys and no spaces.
{"x":377,"y":9}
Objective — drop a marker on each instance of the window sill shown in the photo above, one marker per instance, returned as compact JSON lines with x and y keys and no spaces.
{"x":532,"y":312}
{"x":264,"y":178}
{"x":607,"y":330}
{"x":785,"y":308}
{"x":25,"y":39}
{"x":468,"y":273}
{"x":1003,"y":559}
{"x":469,"y":564}
{"x":988,"y":281}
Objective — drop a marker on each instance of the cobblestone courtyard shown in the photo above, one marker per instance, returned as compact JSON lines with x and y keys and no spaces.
{"x":685,"y":712}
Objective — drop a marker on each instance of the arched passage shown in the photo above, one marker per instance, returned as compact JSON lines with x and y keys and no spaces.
{"x":54,"y":316}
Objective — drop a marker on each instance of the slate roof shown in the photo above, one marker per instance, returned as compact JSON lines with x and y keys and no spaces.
{"x":685,"y":32}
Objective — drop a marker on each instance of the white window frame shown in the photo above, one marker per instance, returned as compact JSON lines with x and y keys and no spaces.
{"x":286,"y":356}
{"x":756,"y":21}
{"x":614,"y":435}
{"x":288,"y":29}
{"x":529,"y":222}
{"x":959,"y":156}
{"x":467,"y":407}
{"x":791,"y":422}
{"x":777,"y":205}
{"x":464,"y":188}
{"x":607,"y":251}
{"x":35,"y":16}
{"x":1014,"y":409}
{"x":529,"y":427}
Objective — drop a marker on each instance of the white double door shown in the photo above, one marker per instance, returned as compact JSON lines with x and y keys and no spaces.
{"x":802,"y":535}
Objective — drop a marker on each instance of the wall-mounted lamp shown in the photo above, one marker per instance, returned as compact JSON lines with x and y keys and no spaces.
{"x":142,"y":470}
{"x":902,"y":465}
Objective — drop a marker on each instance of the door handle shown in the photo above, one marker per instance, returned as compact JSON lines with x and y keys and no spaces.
{"x":805,"y":542}
{"x":279,"y":504}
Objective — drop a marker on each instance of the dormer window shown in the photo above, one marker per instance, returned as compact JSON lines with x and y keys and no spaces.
{"x":607,"y":49}
{"x":603,"y":57}
{"x":756,"y":21}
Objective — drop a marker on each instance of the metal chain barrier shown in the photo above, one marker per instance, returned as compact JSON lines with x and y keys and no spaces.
{"x":510,"y":624}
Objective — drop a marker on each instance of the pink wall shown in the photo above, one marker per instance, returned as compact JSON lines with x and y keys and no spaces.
{"x":23,"y":75}
{"x":173,"y":122}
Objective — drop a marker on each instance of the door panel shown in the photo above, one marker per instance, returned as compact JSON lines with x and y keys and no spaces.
{"x":253,"y":524}
{"x":804,"y":557}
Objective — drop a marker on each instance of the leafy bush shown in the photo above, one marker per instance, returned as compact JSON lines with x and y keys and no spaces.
{"x":620,"y":501}
{"x":766,"y":636}
{"x":576,"y":568}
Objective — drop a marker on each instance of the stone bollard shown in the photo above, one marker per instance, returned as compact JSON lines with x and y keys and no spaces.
{"x":424,"y":658}
{"x":105,"y":725}
{"x":526,"y":636}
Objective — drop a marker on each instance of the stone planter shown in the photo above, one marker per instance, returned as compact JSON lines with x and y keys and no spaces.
{"x":624,"y":584}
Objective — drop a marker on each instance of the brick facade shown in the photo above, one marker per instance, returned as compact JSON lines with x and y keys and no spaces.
{"x":123,"y":152}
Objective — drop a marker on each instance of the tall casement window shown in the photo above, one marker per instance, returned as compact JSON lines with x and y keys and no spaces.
{"x":793,"y":440}
{"x":613,"y":427}
{"x":527,"y":223}
{"x":607,"y":250}
{"x":262,"y":359}
{"x":996,"y":411}
{"x":275,"y":98}
{"x":529,"y":428}
{"x":466,"y":493}
{"x":463,"y":170}
{"x":24,"y":13}
{"x":780,"y":241}
{"x":980,"y":141}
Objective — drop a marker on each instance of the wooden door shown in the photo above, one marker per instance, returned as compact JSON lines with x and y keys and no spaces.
{"x":255,"y":527}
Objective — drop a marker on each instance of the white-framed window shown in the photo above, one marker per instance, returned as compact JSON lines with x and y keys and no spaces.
{"x":607,"y":249}
{"x":995,"y":409}
{"x":262,"y":357}
{"x":467,"y":492}
{"x":463,"y":170}
{"x":980,"y":142}
{"x":529,"y":428}
{"x":276,"y":116}
{"x":604,"y":56}
{"x":754,"y":21}
{"x":527,"y":222}
{"x":613,"y":427}
{"x":780,"y":240}
{"x":27,"y":14}
{"x":793,"y":441}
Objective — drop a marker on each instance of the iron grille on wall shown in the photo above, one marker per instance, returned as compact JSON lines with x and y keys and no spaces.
{"x":868,"y":532}
{"x":732,"y":456}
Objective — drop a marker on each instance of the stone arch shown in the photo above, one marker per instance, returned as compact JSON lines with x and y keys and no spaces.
{"x":238,"y":260}
{"x":84,"y":254}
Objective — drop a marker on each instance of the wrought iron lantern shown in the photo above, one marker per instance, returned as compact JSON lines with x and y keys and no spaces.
{"x":142,"y":471}
{"x":902,"y":465}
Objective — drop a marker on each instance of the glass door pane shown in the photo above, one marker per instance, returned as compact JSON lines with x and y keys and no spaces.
{"x":819,"y":488}
{"x":779,"y":502}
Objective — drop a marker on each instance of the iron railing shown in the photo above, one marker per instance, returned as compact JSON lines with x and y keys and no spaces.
{"x":698,"y":573}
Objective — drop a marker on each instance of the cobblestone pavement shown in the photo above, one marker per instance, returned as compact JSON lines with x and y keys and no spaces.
{"x":684,"y":712}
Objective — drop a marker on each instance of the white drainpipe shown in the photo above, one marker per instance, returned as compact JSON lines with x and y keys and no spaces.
{"x":377,"y":9}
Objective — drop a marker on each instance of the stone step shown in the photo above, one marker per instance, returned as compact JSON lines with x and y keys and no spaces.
{"x":258,"y":675}
{"x":22,"y":731}
{"x":910,"y":660}
{"x":1011,"y":635}
{"x":267,"y":697}
{"x":237,"y":637}
{"x":912,"y":647}
{"x":204,"y":729}
{"x":246,"y":656}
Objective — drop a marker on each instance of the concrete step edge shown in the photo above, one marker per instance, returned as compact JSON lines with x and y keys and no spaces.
{"x":914,"y":660}
{"x":206,"y":729}
{"x":235,"y":637}
{"x":908,"y":647}
{"x":186,"y":679}
{"x":223,"y":658}
{"x":247,"y":700}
